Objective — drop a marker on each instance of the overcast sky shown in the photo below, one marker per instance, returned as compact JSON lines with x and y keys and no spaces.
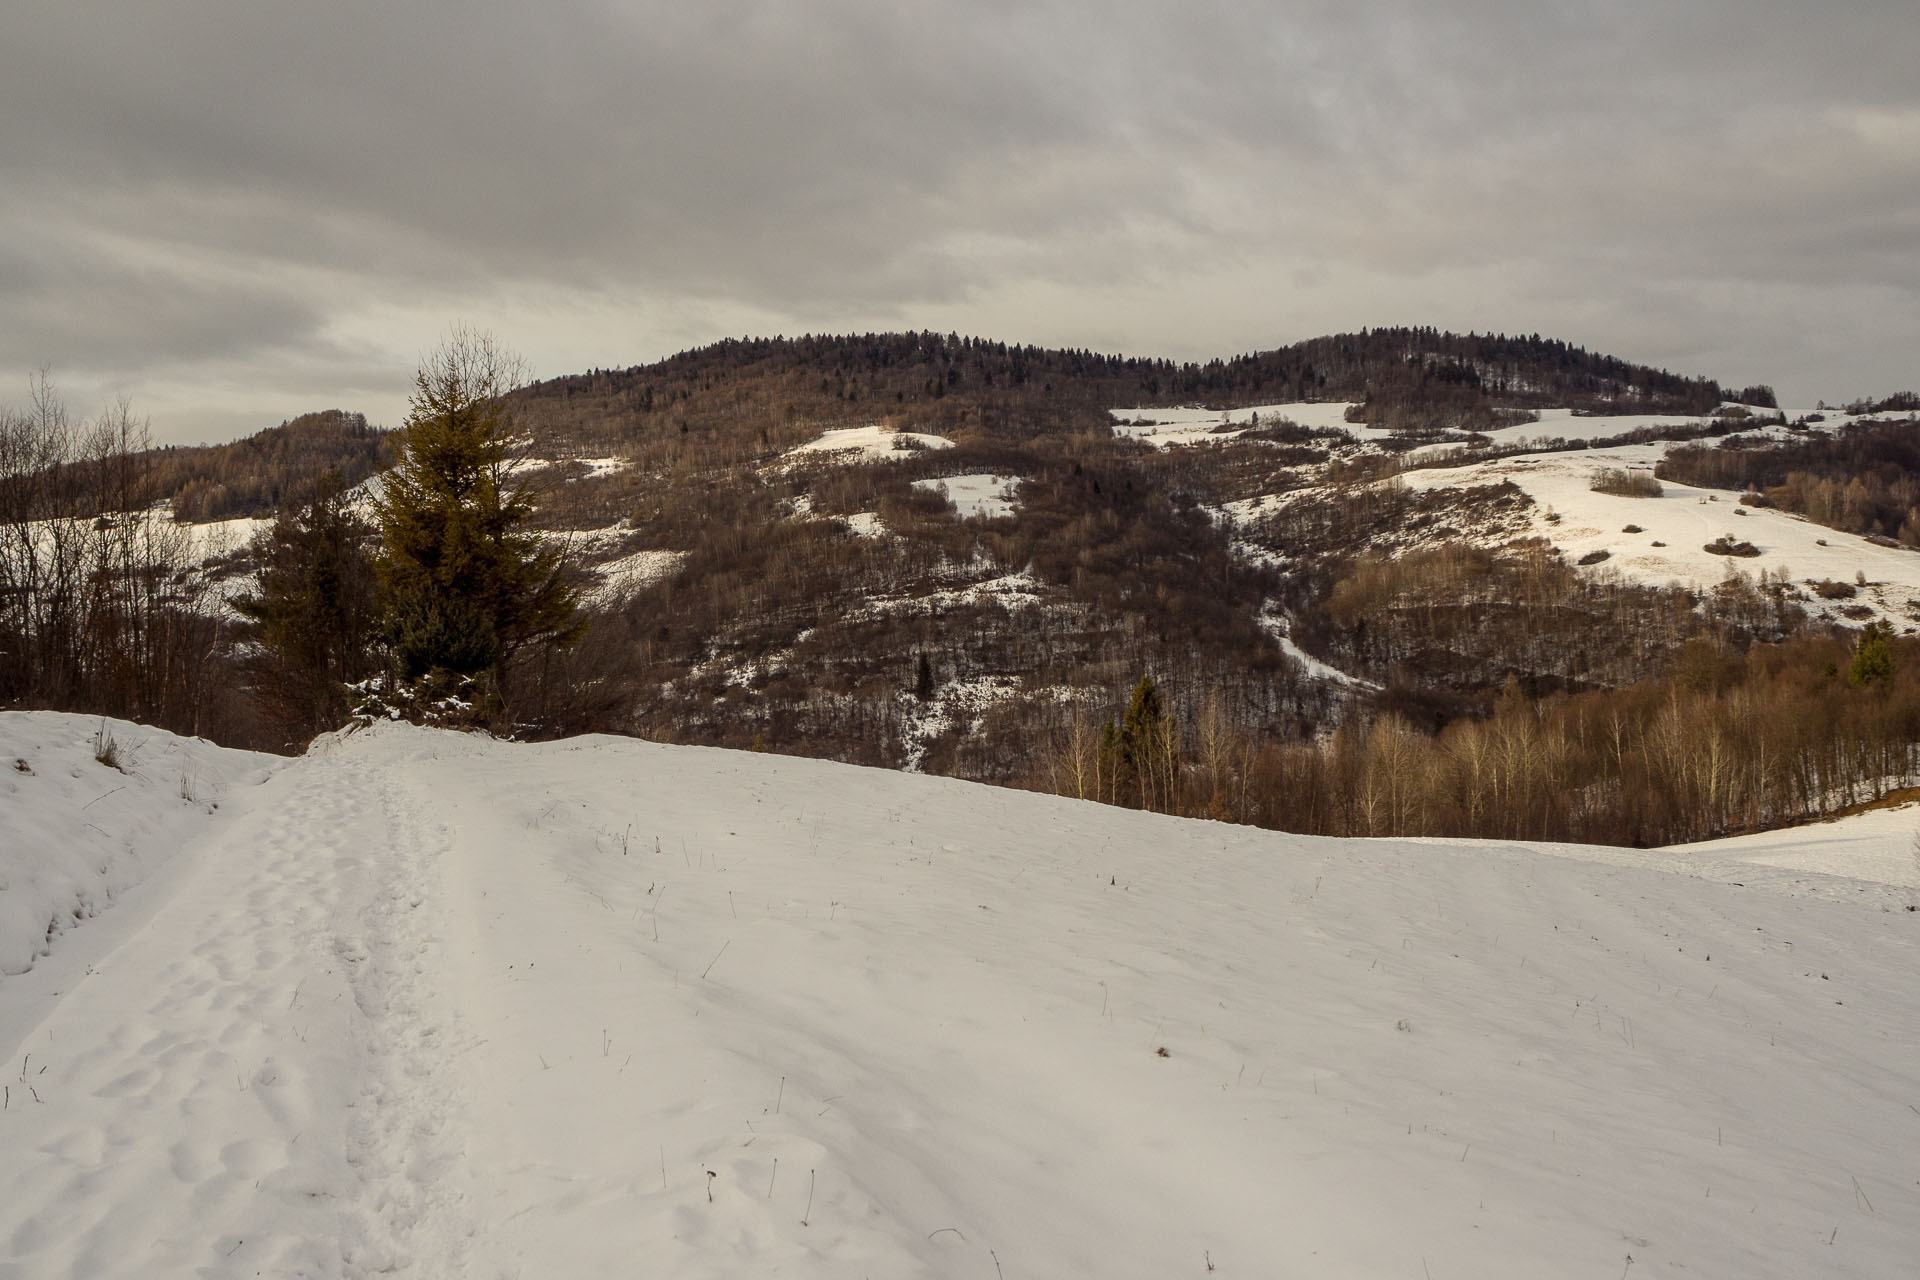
{"x":236,"y":212}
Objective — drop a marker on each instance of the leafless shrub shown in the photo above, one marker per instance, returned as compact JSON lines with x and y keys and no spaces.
{"x":105,"y":749}
{"x":1622,"y":483}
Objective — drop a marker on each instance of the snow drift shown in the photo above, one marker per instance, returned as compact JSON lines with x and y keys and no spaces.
{"x":76,"y":831}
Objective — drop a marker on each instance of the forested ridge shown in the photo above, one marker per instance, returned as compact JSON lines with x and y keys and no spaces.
{"x":280,"y":466}
{"x":1014,"y":392}
{"x":738,"y":593}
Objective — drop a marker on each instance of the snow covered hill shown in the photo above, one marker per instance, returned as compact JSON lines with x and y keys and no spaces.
{"x":1670,"y":533}
{"x":1659,"y":542}
{"x":430,"y":1005}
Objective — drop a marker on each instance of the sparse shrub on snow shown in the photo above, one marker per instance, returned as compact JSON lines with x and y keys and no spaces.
{"x":105,"y":749}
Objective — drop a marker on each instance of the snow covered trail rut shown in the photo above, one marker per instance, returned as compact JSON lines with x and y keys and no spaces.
{"x":247,"y":1085}
{"x":404,"y":1139}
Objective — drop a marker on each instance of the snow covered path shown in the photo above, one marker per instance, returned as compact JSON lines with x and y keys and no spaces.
{"x":427,"y":1005}
{"x":246,"y":1084}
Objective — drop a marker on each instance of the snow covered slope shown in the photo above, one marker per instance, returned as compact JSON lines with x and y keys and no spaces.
{"x":868,"y":444}
{"x":76,"y":832}
{"x":1674,"y":529}
{"x":1669,"y":535}
{"x":984,"y":495}
{"x":428,"y":1005}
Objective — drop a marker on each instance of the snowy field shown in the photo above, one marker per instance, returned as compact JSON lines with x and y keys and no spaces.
{"x":982,"y":494}
{"x":421,"y":1004}
{"x":1164,"y":427}
{"x":1686,"y":519}
{"x":624,"y":577}
{"x":873,"y":443}
{"x":1669,"y":545}
{"x":76,"y":833}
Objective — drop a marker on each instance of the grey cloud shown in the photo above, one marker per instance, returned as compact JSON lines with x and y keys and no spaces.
{"x":74,"y":298}
{"x":264,"y":173}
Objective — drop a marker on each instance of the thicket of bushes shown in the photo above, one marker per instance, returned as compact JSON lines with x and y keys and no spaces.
{"x":1722,"y":742}
{"x":1865,"y":479}
{"x":1622,"y":483}
{"x":97,"y":612}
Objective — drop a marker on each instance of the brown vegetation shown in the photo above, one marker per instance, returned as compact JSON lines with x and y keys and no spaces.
{"x":1721,"y":743}
{"x":280,"y":467}
{"x":98,"y":609}
{"x":1622,"y":483}
{"x":1864,"y":480}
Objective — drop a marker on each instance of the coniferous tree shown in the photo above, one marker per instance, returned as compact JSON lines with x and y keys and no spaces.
{"x":313,"y":617}
{"x":468,"y":587}
{"x":1873,"y":660}
{"x":1137,"y":756}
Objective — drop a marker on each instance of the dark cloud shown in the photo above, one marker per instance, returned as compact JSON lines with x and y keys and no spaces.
{"x":226,"y":187}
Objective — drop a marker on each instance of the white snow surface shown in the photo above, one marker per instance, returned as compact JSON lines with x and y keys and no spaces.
{"x":983,"y":494}
{"x":1686,"y":519}
{"x":424,"y":1004}
{"x":75,"y":834}
{"x":1276,"y":623}
{"x":1879,"y":846}
{"x":1011,"y":591}
{"x":221,"y":537}
{"x":193,"y":544}
{"x":1165,"y":427}
{"x":625,"y":576}
{"x":598,"y":467}
{"x":869,"y":444}
{"x":862,"y":524}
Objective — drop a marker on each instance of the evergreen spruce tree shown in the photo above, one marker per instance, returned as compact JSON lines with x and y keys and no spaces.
{"x":467,"y":586}
{"x":312,"y":617}
{"x":1108,"y":775}
{"x":1145,"y":743}
{"x":1137,"y":757}
{"x":1873,"y":660}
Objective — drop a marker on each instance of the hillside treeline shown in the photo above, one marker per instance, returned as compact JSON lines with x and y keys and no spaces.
{"x":781,"y":625}
{"x":97,"y":611}
{"x":776,"y":388}
{"x":1464,"y":617}
{"x":1864,"y":479}
{"x":793,"y":630}
{"x":1723,"y":742}
{"x":281,"y":466}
